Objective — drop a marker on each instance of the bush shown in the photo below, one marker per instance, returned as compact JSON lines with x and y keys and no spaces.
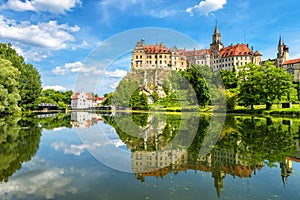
{"x":231,"y":99}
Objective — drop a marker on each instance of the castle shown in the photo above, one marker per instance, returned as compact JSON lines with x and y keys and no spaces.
{"x":218,"y":57}
{"x":282,"y":61}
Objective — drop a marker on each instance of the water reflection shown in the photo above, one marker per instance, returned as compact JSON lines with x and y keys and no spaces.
{"x":19,"y":141}
{"x":147,"y":145}
{"x":245,"y":145}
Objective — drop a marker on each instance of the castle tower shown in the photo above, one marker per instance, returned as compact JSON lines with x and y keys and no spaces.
{"x":282,"y":52}
{"x":216,"y":44}
{"x":286,"y":170}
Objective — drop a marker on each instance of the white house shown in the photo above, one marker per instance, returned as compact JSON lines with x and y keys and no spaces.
{"x":81,"y":100}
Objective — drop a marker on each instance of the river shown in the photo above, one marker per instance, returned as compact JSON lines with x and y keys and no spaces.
{"x":85,"y":155}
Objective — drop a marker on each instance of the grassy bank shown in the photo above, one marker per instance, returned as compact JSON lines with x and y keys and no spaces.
{"x":258,"y":109}
{"x":275,"y":110}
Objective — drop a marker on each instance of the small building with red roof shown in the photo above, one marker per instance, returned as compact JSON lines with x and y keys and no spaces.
{"x":81,"y":100}
{"x":293,"y":67}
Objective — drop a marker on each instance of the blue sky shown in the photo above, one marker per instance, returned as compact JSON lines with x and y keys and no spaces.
{"x":60,"y":37}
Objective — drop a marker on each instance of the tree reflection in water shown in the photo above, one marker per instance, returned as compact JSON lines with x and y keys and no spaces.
{"x":246,"y":144}
{"x":19,"y":141}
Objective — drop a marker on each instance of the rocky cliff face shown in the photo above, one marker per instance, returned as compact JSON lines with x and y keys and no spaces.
{"x":151,"y":81}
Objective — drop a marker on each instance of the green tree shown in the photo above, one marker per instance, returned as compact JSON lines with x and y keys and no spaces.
{"x":62,"y":99}
{"x":30,"y":88}
{"x":30,"y":84}
{"x":229,"y":78}
{"x":231,"y":99}
{"x":198,"y":81}
{"x":123,"y":92}
{"x":275,"y":83}
{"x":107,"y":99}
{"x":262,"y":84}
{"x":138,"y":101}
{"x":249,"y":76}
{"x":17,"y":144}
{"x":9,"y":93}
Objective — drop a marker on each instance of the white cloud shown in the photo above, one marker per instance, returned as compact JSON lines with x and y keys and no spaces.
{"x":67,"y":68}
{"x":43,"y":184}
{"x":31,"y":54}
{"x":54,"y":87}
{"x":78,"y":149}
{"x":79,"y":67}
{"x":49,"y":35}
{"x":53,"y":6}
{"x":207,"y":6}
{"x":116,"y":73}
{"x":162,"y":13}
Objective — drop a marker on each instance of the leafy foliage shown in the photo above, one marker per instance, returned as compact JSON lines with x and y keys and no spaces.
{"x":9,"y":93}
{"x":19,"y":141}
{"x":29,"y":82}
{"x":264,"y":84}
{"x":62,"y":99}
{"x":197,"y":78}
{"x":138,"y":101}
{"x":229,"y":78}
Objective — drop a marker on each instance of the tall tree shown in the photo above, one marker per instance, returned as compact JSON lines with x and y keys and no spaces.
{"x":30,"y":84}
{"x":275,"y":84}
{"x":229,"y":78}
{"x":30,"y":87}
{"x":262,"y":84}
{"x":198,"y":79}
{"x":9,"y":93}
{"x":249,"y":76}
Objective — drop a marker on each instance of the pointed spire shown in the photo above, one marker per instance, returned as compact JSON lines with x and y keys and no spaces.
{"x":219,"y":192}
{"x":216,"y":28}
{"x":280,"y":43}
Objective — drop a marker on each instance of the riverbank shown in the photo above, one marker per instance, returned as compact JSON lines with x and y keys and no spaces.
{"x":258,"y":110}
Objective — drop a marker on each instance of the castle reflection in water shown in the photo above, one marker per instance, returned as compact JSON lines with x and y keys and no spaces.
{"x":151,"y":155}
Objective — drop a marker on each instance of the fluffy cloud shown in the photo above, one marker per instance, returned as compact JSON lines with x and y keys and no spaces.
{"x":79,"y":67}
{"x":54,"y":87}
{"x":77,"y":150}
{"x":43,"y":184}
{"x":53,"y":6}
{"x":207,"y":6}
{"x":74,"y":67}
{"x":116,"y":73}
{"x":49,"y":35}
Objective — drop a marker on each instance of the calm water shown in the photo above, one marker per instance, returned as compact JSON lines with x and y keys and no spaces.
{"x":149,"y":156}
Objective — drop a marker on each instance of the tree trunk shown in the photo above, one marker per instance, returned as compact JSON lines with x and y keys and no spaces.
{"x":252,"y":107}
{"x":268,"y":106}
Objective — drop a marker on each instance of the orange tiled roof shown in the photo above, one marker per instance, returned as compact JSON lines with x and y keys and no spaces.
{"x":89,"y":96}
{"x":99,"y":98}
{"x":293,"y":159}
{"x":287,"y":62}
{"x":74,"y":96}
{"x":156,"y":49}
{"x":197,"y":52}
{"x":237,"y":50}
